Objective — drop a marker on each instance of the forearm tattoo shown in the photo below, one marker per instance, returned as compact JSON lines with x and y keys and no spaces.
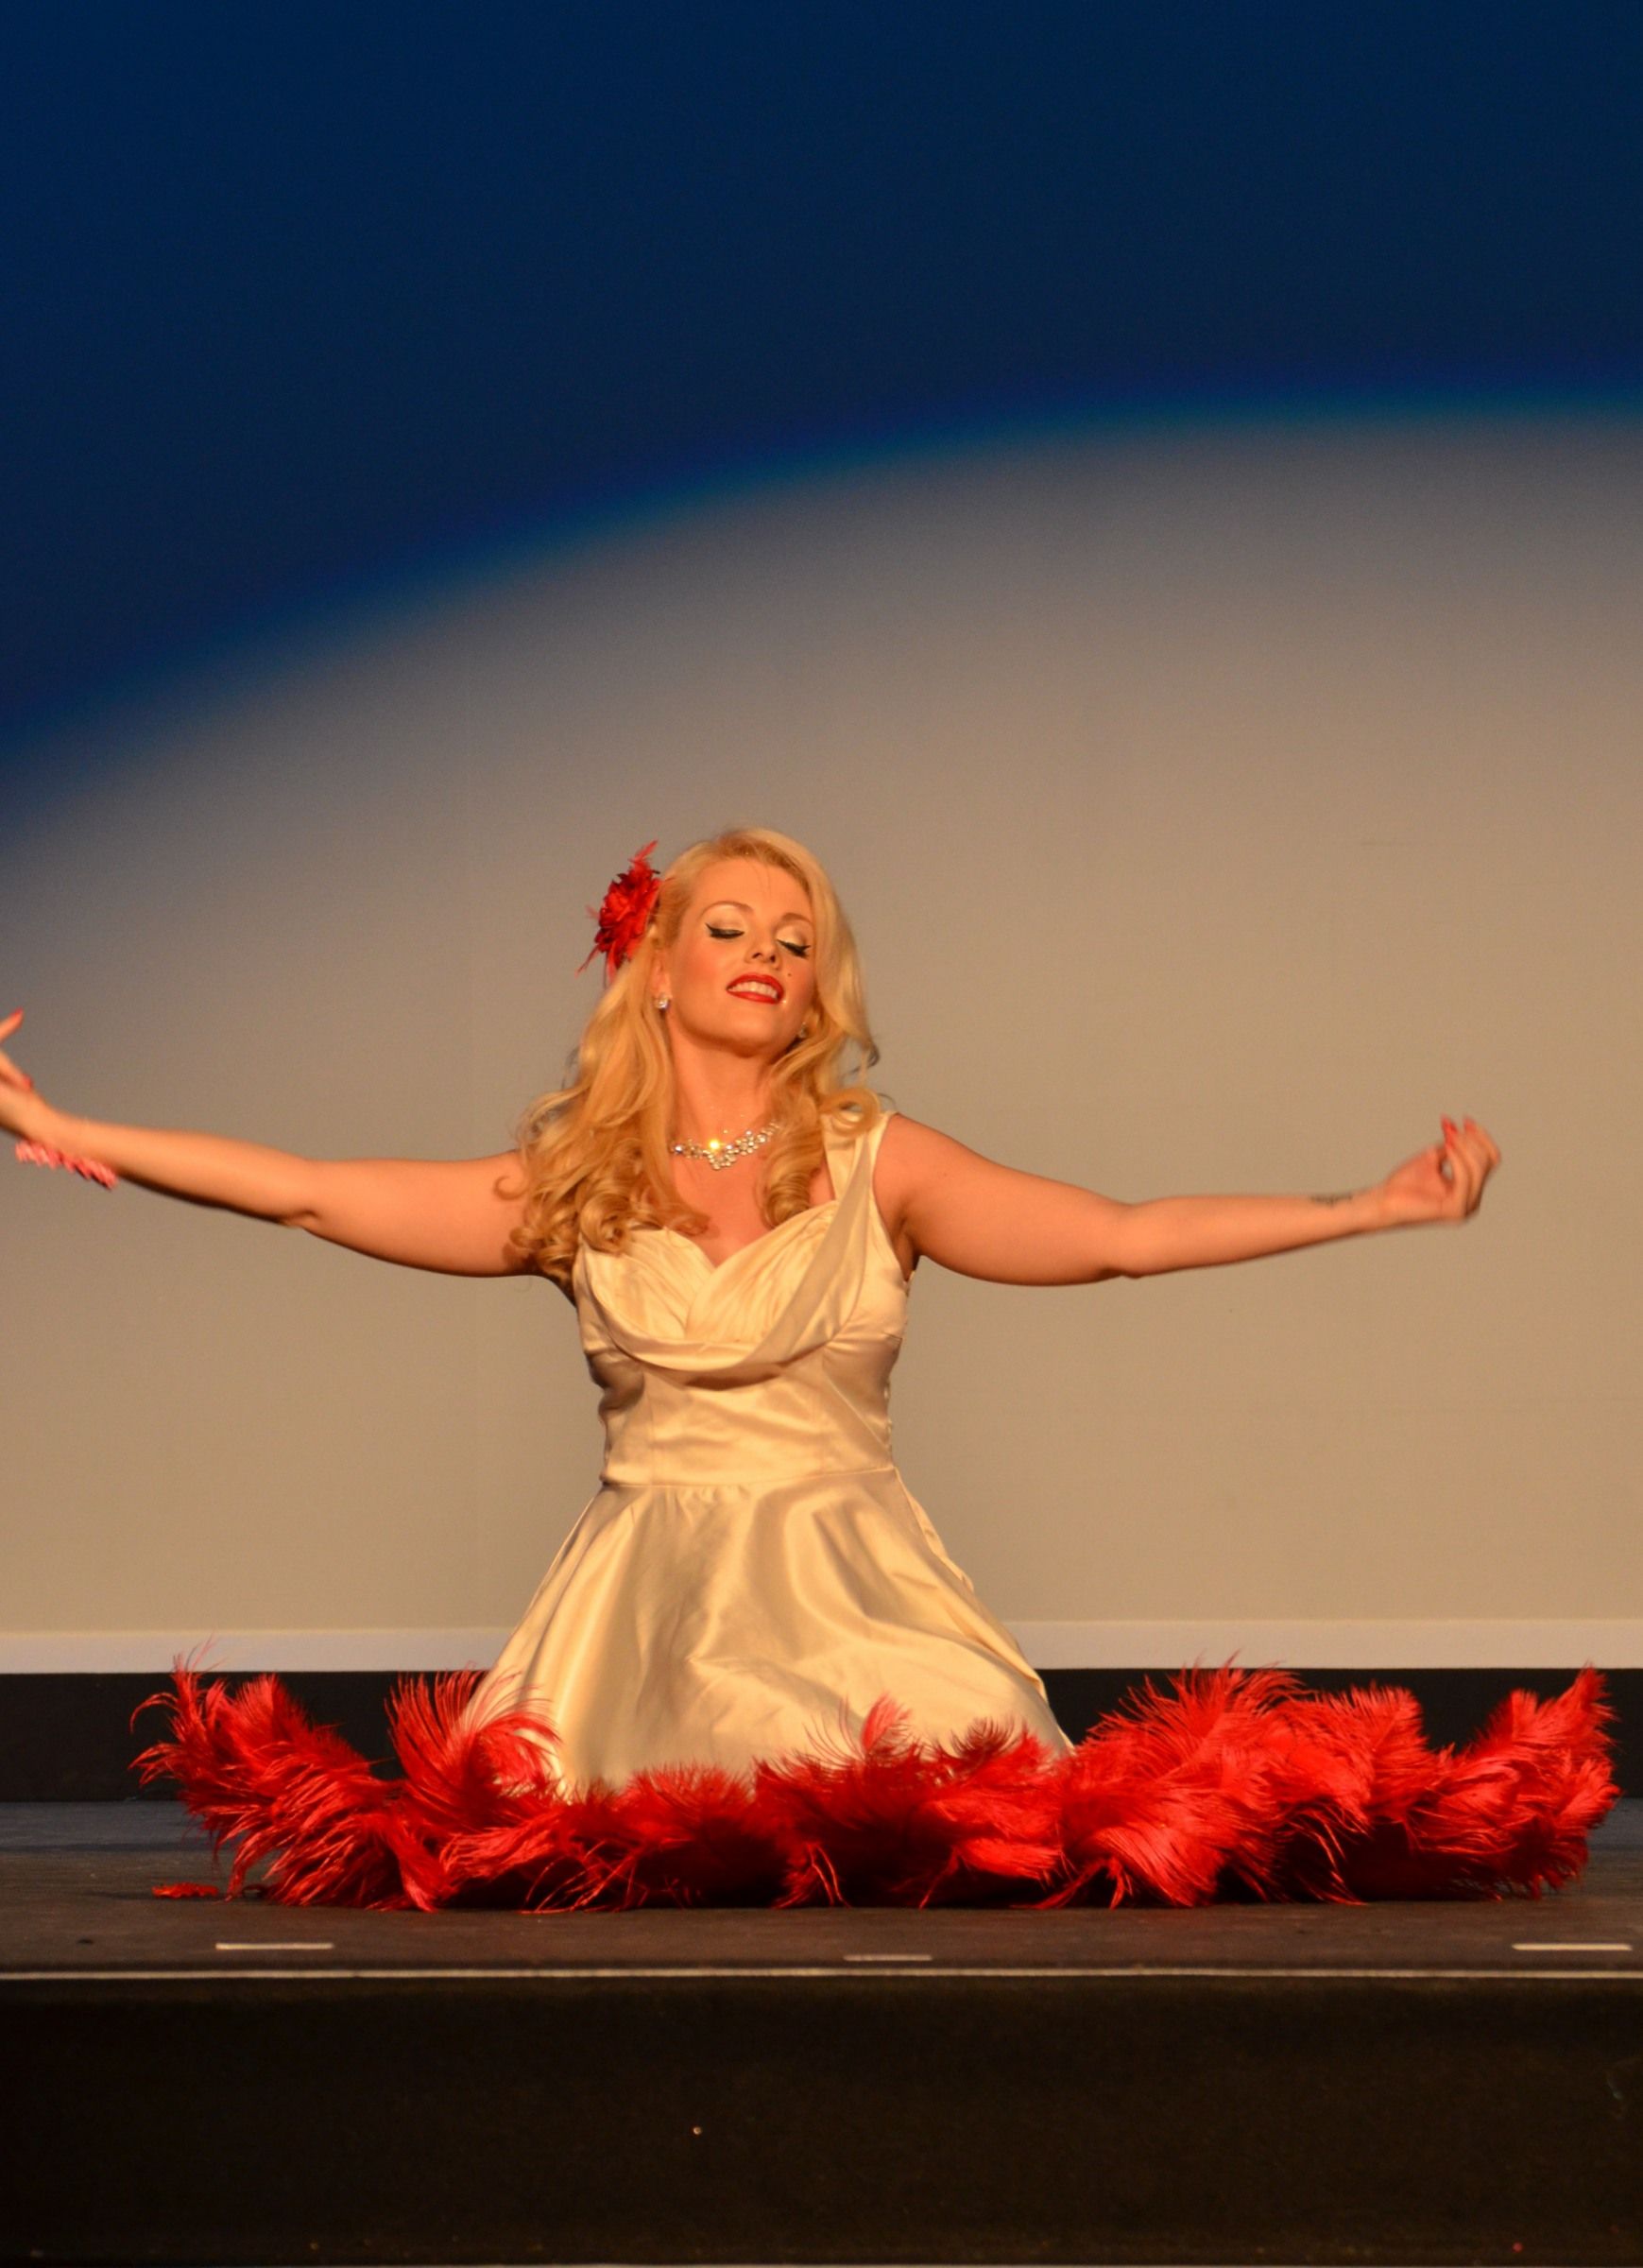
{"x":1343,"y":1196}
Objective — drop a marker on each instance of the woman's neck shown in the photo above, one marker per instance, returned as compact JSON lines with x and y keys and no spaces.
{"x":718,"y":1095}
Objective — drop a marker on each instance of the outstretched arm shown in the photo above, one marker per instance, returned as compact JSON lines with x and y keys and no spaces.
{"x":448,"y":1215}
{"x":982,"y":1219}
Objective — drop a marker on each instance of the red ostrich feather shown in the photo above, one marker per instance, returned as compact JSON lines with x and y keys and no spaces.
{"x":1233,"y":1783}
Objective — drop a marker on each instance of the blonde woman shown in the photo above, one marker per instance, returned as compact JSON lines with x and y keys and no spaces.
{"x":752,"y":1670}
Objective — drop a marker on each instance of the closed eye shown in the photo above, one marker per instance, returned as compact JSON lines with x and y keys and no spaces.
{"x":798,"y":950}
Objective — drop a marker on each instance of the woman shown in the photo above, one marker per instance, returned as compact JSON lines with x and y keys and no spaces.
{"x":752,"y":1671}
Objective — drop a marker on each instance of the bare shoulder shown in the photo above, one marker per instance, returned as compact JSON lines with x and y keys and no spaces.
{"x":944,"y":1201}
{"x":912,"y":1155}
{"x":909,"y":1150}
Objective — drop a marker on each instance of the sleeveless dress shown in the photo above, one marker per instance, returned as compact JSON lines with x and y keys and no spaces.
{"x":753,"y":1574}
{"x":752,"y":1675}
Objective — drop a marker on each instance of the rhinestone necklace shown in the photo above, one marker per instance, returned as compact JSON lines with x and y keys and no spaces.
{"x":719,"y":1154}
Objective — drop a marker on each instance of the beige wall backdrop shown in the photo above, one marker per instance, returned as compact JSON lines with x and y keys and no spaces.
{"x":1215,"y":808}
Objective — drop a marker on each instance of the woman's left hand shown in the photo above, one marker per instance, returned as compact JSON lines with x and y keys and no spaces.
{"x":1445,"y":1182}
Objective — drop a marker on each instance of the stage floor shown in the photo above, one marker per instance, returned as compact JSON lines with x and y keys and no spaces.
{"x":1411,"y":2084}
{"x":76,"y":1880}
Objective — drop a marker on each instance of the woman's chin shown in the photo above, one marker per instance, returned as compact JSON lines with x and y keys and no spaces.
{"x":739,"y":1040}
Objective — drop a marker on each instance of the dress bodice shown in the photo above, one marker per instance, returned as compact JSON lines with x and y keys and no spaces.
{"x":773,"y":1364}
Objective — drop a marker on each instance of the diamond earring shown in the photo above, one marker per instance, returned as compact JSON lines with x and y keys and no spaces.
{"x":663,"y":1002}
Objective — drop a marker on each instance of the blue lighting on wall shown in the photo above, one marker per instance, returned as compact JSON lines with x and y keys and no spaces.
{"x":305,"y":303}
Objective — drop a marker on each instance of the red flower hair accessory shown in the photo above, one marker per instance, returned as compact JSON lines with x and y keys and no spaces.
{"x":624,"y":912}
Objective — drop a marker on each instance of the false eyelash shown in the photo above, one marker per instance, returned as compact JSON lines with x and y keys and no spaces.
{"x":800,"y":953}
{"x":41,"y":1153}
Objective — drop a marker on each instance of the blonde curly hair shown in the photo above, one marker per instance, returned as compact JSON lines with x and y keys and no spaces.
{"x":594,"y":1152}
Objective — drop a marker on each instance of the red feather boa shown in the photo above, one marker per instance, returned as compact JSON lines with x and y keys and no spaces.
{"x":1238,"y":1784}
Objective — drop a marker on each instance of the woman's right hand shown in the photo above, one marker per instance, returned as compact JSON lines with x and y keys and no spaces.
{"x":23,"y":1110}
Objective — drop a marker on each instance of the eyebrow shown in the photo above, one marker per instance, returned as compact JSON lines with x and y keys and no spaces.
{"x":741,"y":907}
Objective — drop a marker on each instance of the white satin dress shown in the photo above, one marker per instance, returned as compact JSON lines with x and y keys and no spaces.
{"x":752,"y":1573}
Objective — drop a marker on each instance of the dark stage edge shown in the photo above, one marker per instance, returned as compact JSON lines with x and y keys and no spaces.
{"x":66,"y":1736}
{"x":1459,"y":2081}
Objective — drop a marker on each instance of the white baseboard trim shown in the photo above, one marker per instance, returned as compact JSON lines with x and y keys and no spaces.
{"x":36,"y":1652}
{"x":1434,"y":1645}
{"x":1383,"y":1644}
